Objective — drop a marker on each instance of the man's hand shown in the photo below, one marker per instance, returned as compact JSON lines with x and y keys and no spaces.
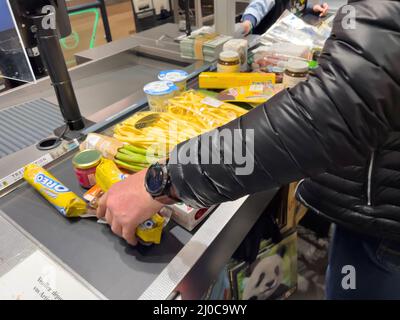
{"x":322,"y":10}
{"x":127,"y":205}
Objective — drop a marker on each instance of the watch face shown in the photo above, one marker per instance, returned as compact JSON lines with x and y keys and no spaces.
{"x":155,"y":181}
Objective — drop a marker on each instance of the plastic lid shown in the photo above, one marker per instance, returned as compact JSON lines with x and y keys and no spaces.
{"x":160,"y":88}
{"x":229,"y":56}
{"x":173,"y":75}
{"x":297,"y":66}
{"x":86,"y":159}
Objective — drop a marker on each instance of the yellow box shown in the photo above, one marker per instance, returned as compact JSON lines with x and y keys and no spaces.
{"x":215,"y":80}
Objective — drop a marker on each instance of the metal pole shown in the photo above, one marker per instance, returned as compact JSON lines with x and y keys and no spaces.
{"x":187,"y":15}
{"x":199,"y":13}
{"x":100,"y":4}
{"x":49,"y":46}
{"x":107,"y":30}
{"x":225,"y":13}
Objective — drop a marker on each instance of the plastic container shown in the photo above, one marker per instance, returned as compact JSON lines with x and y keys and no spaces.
{"x":229,"y":62}
{"x":85,"y":164}
{"x":178,"y":77}
{"x":158,"y":93}
{"x":296,"y":72}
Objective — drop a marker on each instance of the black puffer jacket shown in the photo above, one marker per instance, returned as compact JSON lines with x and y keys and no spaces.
{"x":345,"y":120}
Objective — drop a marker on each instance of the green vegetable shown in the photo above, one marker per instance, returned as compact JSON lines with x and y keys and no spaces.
{"x":134,"y":149}
{"x":130,"y":167}
{"x":135,"y":158}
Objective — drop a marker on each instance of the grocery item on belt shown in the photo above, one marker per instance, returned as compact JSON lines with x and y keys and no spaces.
{"x":108,"y":146}
{"x":178,"y":77}
{"x":134,"y":159}
{"x":241,"y":47}
{"x":85,"y":164}
{"x":203,"y":46}
{"x":108,"y":174}
{"x":93,"y":195}
{"x":189,"y":115}
{"x":158,"y":93}
{"x":215,"y":80}
{"x":256,"y":94}
{"x":188,"y":217}
{"x":150,"y":231}
{"x":228,"y":62}
{"x":296,"y":72}
{"x":63,"y":199}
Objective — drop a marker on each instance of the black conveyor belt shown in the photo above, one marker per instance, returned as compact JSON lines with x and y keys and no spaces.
{"x":89,"y":248}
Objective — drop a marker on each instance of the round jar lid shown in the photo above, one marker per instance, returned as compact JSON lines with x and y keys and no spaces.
{"x":297,"y":66}
{"x":86,"y":159}
{"x":173,"y":75}
{"x":229,"y":56}
{"x":160,"y":88}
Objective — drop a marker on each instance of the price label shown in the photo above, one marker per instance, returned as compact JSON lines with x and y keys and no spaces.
{"x":18,"y":175}
{"x":212,"y":102}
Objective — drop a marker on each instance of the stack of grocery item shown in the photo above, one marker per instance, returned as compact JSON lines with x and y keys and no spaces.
{"x":203,"y":46}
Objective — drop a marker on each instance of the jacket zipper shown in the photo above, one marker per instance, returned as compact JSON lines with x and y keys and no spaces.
{"x":370,"y":169}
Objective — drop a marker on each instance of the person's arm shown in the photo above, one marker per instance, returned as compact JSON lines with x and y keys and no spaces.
{"x":338,"y":117}
{"x":255,"y":12}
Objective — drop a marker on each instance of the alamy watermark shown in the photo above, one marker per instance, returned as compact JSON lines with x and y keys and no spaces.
{"x":49,"y":19}
{"x":349,"y":21}
{"x":349,"y":281}
{"x":231,"y":147}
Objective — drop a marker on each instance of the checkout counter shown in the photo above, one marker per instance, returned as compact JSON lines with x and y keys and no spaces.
{"x":108,"y":83}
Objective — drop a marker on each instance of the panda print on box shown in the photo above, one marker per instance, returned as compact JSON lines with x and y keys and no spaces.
{"x":266,"y":277}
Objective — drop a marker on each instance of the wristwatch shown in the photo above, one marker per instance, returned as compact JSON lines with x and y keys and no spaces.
{"x":158,"y":184}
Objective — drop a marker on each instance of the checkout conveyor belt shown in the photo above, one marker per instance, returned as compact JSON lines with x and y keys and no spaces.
{"x":186,"y":263}
{"x":90,"y":248}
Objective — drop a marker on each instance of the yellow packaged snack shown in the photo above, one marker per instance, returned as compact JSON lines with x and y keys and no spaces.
{"x":149,"y":232}
{"x":64,"y":200}
{"x":215,"y":80}
{"x":108,"y":174}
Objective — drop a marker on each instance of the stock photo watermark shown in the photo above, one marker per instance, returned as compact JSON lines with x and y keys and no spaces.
{"x":349,"y":279}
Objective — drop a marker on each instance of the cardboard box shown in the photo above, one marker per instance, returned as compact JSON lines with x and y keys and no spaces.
{"x":295,"y":210}
{"x":188,"y":217}
{"x":215,"y":80}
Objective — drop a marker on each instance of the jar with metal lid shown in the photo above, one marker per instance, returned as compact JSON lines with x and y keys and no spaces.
{"x":229,"y":62}
{"x":85,"y":164}
{"x":296,"y":71}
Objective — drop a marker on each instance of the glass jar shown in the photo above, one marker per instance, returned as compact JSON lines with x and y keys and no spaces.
{"x":229,"y":62}
{"x":85,"y":164}
{"x":296,"y":71}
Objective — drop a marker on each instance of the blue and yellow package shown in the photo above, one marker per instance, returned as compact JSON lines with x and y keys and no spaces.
{"x":62,"y":198}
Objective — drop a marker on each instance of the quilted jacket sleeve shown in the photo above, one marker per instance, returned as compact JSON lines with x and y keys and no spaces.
{"x":343,"y":112}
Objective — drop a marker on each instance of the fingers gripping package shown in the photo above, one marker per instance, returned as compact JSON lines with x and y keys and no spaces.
{"x":149,"y":232}
{"x":64,"y":200}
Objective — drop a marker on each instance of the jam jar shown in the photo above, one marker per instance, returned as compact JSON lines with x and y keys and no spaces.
{"x":85,"y":164}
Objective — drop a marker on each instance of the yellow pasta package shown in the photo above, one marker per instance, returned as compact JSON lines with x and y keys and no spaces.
{"x":64,"y":200}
